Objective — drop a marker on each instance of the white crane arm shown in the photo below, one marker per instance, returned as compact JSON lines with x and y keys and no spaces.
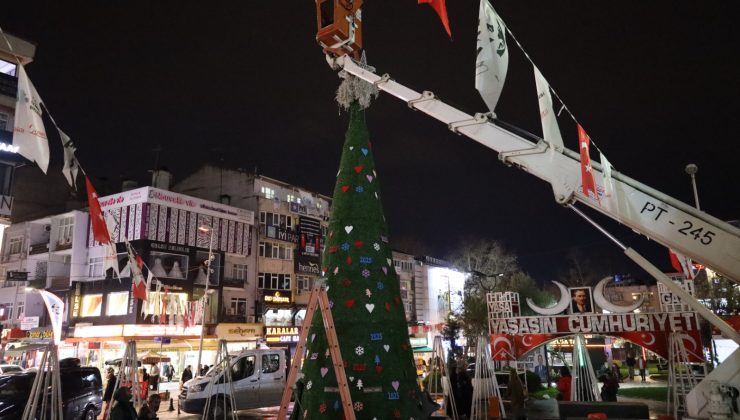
{"x":658,"y":216}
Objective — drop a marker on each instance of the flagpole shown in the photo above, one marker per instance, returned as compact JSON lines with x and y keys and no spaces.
{"x":205,"y":293}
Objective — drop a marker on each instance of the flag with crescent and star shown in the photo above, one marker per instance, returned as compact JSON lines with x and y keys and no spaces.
{"x":97,"y":220}
{"x":587,"y":173}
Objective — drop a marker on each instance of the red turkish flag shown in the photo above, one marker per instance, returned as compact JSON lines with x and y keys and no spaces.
{"x":587,"y":174}
{"x":682,"y":264}
{"x":97,"y":220}
{"x":441,"y":9}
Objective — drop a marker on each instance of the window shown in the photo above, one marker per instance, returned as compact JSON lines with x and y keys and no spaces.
{"x":276,"y":219}
{"x":273,"y":281}
{"x":239,"y":271}
{"x":95,"y":267}
{"x":117,"y":303}
{"x":6,"y":67}
{"x":270,"y":363}
{"x":268,"y":192}
{"x":238,"y":306}
{"x":243,"y":368}
{"x":275,"y":251}
{"x":91,"y":305}
{"x":15,"y":245}
{"x":293,"y":199}
{"x":303,"y":282}
{"x":4,"y":118}
{"x":65,"y":230}
{"x":21,"y":311}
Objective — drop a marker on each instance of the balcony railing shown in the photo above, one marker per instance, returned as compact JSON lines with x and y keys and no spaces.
{"x":38,"y":249}
{"x":231,"y":282}
{"x":8,"y":85}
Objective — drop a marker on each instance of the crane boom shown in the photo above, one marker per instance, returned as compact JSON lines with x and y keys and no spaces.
{"x":658,"y":216}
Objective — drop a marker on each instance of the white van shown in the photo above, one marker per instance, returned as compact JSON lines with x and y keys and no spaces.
{"x":258,"y":377}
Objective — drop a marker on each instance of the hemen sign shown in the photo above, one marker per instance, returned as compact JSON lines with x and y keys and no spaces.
{"x":596,"y":323}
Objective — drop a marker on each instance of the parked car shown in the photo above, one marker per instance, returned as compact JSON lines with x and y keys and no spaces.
{"x":4,"y":368}
{"x":82,"y":393}
{"x":258,"y":377}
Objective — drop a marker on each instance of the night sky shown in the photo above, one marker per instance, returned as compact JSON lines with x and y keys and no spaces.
{"x":655,"y":84}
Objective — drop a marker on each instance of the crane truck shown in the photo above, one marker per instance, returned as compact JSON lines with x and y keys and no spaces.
{"x":645,"y":210}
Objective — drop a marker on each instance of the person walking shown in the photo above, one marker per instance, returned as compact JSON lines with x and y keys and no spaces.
{"x":123,"y":410}
{"x":108,"y":394}
{"x":631,"y":366}
{"x":154,"y":376}
{"x":515,"y":393}
{"x":642,"y":365}
{"x":187,"y":375}
{"x":170,"y":372}
{"x":564,"y":384}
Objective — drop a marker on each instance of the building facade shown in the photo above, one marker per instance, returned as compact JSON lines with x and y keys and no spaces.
{"x":290,"y":223}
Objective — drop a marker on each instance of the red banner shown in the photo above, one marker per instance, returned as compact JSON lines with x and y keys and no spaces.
{"x":512,"y":338}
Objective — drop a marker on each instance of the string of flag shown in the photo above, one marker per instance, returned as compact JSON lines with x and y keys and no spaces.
{"x":491,"y":67}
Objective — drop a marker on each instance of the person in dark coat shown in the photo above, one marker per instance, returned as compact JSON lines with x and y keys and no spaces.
{"x":187,"y":375}
{"x":515,"y":393}
{"x":148,"y":410}
{"x":610,"y":387}
{"x":108,"y":394}
{"x":123,"y":410}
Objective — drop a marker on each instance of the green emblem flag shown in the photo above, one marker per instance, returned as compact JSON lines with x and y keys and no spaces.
{"x":364,"y":294}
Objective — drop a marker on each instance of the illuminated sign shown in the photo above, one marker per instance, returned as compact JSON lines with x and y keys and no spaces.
{"x":5,"y":147}
{"x":133,"y":330}
{"x":281,"y":334}
{"x":277,"y":297}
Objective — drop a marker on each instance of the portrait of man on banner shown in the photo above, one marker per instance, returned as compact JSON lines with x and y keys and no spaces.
{"x":581,"y":300}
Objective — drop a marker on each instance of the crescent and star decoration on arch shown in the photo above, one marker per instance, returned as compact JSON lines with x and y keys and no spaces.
{"x":511,"y":338}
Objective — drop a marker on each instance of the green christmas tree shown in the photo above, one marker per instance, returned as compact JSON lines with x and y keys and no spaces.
{"x":364,"y":294}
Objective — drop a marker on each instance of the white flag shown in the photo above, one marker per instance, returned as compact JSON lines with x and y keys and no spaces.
{"x":111,"y":260}
{"x":493,"y":55}
{"x":29,"y":134}
{"x":70,"y":161}
{"x":55,"y":306}
{"x":606,"y":171}
{"x":550,"y":128}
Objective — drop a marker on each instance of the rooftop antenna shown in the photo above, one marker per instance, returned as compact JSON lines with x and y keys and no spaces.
{"x":156,"y":151}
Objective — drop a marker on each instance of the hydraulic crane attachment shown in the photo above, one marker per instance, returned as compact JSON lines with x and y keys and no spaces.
{"x":339,"y":26}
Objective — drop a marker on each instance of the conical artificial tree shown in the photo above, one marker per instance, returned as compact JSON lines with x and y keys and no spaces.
{"x":364,"y":294}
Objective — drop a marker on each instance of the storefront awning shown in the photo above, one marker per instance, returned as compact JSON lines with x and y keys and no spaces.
{"x":424,"y":349}
{"x":25,"y":348}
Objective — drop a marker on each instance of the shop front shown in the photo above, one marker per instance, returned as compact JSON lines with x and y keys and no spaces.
{"x":97,"y":345}
{"x":25,"y":348}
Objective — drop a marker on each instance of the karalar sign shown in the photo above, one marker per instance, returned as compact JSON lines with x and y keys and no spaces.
{"x":281,"y":334}
{"x":596,"y":323}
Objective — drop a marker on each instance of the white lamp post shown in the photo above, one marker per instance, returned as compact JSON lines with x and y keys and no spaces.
{"x":692,"y":169}
{"x":205,"y":294}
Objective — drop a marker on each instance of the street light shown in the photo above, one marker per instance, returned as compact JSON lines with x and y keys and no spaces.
{"x":205,"y":292}
{"x":692,"y":169}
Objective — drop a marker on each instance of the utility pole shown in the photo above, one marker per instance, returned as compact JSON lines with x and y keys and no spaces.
{"x":692,"y":169}
{"x":206,"y":302}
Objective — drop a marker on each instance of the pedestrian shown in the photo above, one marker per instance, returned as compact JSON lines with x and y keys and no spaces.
{"x":148,"y":410}
{"x":515,"y":393}
{"x":463,"y":390}
{"x":187,"y":375}
{"x":108,"y":394}
{"x":631,"y":366}
{"x":123,"y":410}
{"x":610,"y":387}
{"x":170,"y":372}
{"x":642,"y":365}
{"x":154,"y":376}
{"x":564,"y":384}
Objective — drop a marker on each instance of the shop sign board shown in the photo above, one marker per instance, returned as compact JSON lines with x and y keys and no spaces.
{"x":282,"y":334}
{"x":238,"y":331}
{"x":40,"y":334}
{"x":277,"y":297}
{"x":17,"y":276}
{"x":29,"y":322}
{"x":163,"y":340}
